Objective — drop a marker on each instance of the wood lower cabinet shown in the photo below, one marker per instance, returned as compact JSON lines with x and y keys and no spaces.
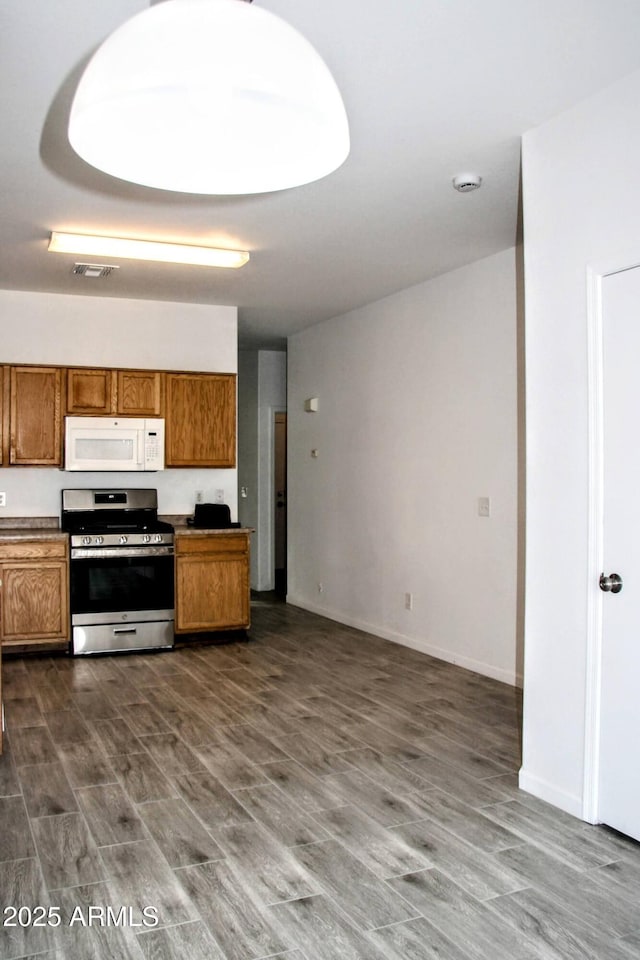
{"x":34,"y":593}
{"x":33,"y":416}
{"x":201,"y":420}
{"x":212,"y":582}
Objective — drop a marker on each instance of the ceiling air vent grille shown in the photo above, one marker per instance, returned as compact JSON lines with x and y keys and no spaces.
{"x":94,"y":271}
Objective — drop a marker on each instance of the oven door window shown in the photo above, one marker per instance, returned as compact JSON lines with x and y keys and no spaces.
{"x":105,"y":585}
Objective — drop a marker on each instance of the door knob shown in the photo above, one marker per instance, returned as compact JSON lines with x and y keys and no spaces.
{"x":611,"y":584}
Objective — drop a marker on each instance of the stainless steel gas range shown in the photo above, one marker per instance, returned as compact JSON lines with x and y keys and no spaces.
{"x":122,"y":573}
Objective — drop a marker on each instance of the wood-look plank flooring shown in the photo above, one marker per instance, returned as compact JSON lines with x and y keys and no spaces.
{"x":314,"y":794}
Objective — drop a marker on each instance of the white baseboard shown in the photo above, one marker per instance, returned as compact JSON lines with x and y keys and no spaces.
{"x":547,"y":791}
{"x":477,"y":666}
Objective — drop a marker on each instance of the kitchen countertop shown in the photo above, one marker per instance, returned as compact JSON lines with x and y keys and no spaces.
{"x":181,"y":528}
{"x":48,"y":528}
{"x":30,"y":528}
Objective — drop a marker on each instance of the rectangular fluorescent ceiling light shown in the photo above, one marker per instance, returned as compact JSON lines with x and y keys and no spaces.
{"x":146,"y":250}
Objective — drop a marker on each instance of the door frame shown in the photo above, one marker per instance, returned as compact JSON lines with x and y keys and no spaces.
{"x":266,"y":488}
{"x":280,"y":413}
{"x":596,"y":274}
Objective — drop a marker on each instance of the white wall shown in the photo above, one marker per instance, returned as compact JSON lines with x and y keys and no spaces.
{"x":417,"y":419}
{"x":581,"y":207}
{"x":68,"y":330}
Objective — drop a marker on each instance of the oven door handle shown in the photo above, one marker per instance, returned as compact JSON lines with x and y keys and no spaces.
{"x":125,"y":629}
{"x":119,"y":553}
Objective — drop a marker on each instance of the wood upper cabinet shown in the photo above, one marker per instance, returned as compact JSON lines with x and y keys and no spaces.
{"x":89,"y":391}
{"x":4,"y":415}
{"x":33,"y":427}
{"x":199,"y":410}
{"x":138,"y":393}
{"x":201,"y":420}
{"x":34,"y":577}
{"x":212,"y":582}
{"x":129,"y":393}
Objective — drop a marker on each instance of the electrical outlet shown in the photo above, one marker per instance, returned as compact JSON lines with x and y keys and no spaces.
{"x":484,"y":507}
{"x":3,"y":499}
{"x":199,"y":496}
{"x":219,"y":496}
{"x":408,"y":601}
{"x":320,"y":588}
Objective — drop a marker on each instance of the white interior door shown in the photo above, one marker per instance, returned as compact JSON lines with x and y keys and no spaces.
{"x":619,"y":787}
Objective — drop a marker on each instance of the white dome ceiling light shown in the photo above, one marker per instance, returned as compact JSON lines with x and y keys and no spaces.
{"x":211,"y":97}
{"x":466,"y":182}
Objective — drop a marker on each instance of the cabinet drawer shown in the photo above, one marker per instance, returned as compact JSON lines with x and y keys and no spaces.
{"x":34,"y":549}
{"x":205,"y":543}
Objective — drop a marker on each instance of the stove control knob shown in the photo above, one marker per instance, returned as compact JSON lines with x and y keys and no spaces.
{"x":99,"y":540}
{"x":86,"y":541}
{"x":158,"y":538}
{"x":146,"y":538}
{"x":122,"y":539}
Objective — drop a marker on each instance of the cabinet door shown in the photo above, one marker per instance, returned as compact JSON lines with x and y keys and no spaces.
{"x":139,"y":393}
{"x":34,"y":600}
{"x":35,"y":417}
{"x":212,"y":594}
{"x":89,"y":392}
{"x":212,"y":583}
{"x":201,"y":420}
{"x":4,"y":415}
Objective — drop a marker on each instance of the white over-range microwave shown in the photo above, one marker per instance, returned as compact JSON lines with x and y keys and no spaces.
{"x":113,"y":444}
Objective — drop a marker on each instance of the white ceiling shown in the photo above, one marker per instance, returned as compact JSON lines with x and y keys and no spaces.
{"x":432,"y":88}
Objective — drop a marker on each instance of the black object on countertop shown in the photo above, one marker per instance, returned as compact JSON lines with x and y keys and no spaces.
{"x":214,"y":516}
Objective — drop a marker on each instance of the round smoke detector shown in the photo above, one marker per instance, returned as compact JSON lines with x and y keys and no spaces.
{"x":466,"y":182}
